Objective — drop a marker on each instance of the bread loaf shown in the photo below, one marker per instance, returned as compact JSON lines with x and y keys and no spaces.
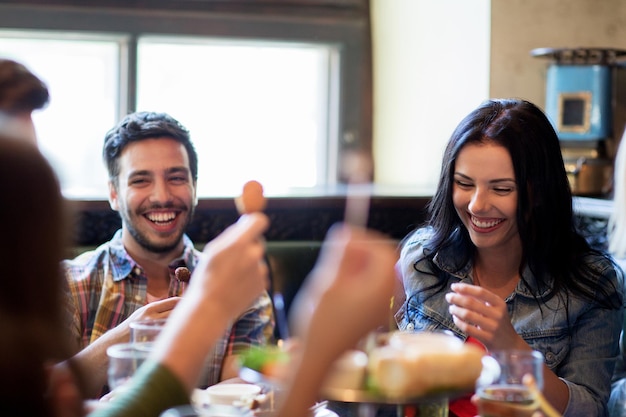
{"x":416,"y":364}
{"x":348,"y":371}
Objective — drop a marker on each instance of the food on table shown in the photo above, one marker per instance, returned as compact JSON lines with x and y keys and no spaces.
{"x":251,"y":198}
{"x":348,"y":372}
{"x":395,"y":366}
{"x":270,"y":361}
{"x":182,"y":274}
{"x":417,"y":364}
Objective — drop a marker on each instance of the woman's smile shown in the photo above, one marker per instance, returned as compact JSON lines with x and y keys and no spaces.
{"x":485,"y":195}
{"x":484,"y":225}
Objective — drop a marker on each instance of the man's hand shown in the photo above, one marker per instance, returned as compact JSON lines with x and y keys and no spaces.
{"x":93,"y":359}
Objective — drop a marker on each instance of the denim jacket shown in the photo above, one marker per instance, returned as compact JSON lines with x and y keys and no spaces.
{"x":580,"y":344}
{"x":617,"y":401}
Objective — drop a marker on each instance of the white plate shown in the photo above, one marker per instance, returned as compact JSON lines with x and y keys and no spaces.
{"x":326,"y":413}
{"x":199,"y":398}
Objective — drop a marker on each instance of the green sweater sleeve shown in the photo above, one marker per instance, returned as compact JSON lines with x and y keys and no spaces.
{"x":154,"y":389}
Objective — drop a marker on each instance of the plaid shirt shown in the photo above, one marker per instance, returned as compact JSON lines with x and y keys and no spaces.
{"x":106,"y":286}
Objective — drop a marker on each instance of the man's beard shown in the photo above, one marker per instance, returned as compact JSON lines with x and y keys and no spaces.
{"x":143,"y":240}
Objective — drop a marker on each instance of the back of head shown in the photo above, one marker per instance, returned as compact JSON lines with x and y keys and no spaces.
{"x":145,"y":125}
{"x":32,"y":243}
{"x":20,"y":90}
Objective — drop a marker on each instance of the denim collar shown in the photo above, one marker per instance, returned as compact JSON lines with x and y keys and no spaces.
{"x":446,"y":260}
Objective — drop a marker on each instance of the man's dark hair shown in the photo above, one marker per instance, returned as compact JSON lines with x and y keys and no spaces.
{"x":140,"y":126}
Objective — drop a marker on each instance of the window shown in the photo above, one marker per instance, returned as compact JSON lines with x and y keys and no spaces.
{"x":82,"y":76}
{"x":255,"y":109}
{"x":274,"y":99}
{"x":431,"y":66}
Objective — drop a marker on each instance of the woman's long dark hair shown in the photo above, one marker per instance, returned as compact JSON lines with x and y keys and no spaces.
{"x":551,"y":245}
{"x":33,"y":232}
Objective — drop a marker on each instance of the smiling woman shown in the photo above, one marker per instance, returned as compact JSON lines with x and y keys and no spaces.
{"x":499,"y":262}
{"x":484,"y":194}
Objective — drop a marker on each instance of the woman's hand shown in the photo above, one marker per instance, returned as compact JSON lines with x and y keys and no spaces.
{"x":484,"y":316}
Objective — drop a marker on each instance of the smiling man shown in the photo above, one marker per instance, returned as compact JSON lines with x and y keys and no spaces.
{"x":153,"y":169}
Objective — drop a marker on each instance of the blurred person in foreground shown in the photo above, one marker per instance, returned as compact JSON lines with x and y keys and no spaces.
{"x":153,"y":170}
{"x":355,"y":269}
{"x":500,"y":262}
{"x":34,"y":335}
{"x":616,"y":232}
{"x":21,"y":93}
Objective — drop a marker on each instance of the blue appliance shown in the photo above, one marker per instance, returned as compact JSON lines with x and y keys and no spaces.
{"x":580,"y":104}
{"x":579,"y":91}
{"x":578,"y":101}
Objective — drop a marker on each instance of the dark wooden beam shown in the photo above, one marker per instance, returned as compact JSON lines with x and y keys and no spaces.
{"x":292,"y":219}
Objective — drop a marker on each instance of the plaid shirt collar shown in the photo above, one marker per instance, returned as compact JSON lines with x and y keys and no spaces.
{"x":123,"y":265}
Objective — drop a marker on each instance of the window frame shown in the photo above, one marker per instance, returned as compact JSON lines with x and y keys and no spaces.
{"x":344,"y":23}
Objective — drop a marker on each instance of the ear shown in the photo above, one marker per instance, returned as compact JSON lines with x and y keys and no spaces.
{"x":113,"y":201}
{"x":195,"y":194}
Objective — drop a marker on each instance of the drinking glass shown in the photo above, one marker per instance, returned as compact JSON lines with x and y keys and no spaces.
{"x":433,"y":408}
{"x":146,"y":330}
{"x":124,"y":359}
{"x":507,"y":396}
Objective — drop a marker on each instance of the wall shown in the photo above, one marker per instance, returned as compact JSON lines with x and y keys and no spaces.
{"x":519,"y":26}
{"x":434,"y":61}
{"x":430,"y":68}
